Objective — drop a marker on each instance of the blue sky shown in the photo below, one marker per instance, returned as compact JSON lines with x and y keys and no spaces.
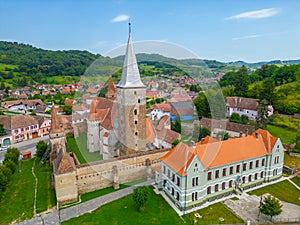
{"x":222,"y":30}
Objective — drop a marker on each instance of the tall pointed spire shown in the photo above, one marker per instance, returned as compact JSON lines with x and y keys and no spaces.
{"x":130,"y":75}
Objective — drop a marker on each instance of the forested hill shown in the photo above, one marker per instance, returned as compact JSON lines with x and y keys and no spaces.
{"x":35,"y":61}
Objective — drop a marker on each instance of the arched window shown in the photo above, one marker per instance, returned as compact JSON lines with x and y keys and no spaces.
{"x":135,"y":112}
{"x":177,"y":196}
{"x":173,"y":191}
{"x":230,"y":183}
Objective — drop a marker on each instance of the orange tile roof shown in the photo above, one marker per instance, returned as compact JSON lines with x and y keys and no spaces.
{"x":178,"y":158}
{"x":106,"y":134}
{"x":218,"y":153}
{"x":234,"y":150}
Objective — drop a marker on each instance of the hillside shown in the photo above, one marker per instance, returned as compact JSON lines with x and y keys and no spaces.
{"x":259,"y":64}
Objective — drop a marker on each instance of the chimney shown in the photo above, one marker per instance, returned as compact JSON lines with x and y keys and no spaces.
{"x":202,"y":141}
{"x":247,"y":132}
{"x":256,"y":135}
{"x":241,"y":134}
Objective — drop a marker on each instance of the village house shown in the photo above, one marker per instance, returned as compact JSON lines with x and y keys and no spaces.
{"x":45,"y":128}
{"x":157,"y":111}
{"x":193,"y":175}
{"x":21,"y":127}
{"x":244,"y":106}
{"x":233,"y":129}
{"x":22,"y":105}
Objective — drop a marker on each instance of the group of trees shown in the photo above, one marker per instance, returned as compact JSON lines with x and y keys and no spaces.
{"x":36,"y":62}
{"x":261,"y":84}
{"x":8,"y":168}
{"x":236,"y":118}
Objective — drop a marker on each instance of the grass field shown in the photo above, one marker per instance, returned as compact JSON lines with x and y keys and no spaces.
{"x":45,"y":195}
{"x":79,"y":147}
{"x":155,"y":211}
{"x":296,"y":180}
{"x":287,"y":136}
{"x":18,"y":199}
{"x":291,"y":161}
{"x":283,"y":190}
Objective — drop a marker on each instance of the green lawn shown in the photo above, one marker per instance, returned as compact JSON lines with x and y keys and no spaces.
{"x":287,"y":136}
{"x":156,"y":211}
{"x":94,"y":194}
{"x":283,"y":190}
{"x":79,"y":147}
{"x":296,"y":180}
{"x":212,"y":215}
{"x":45,"y":195}
{"x":291,"y":161}
{"x":18,"y":199}
{"x":17,"y":202}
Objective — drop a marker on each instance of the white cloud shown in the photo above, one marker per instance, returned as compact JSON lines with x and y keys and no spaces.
{"x":247,"y":37}
{"x":257,"y":14}
{"x":120,"y":18}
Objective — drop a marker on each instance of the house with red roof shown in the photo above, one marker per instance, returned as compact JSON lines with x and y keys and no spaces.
{"x":193,"y":175}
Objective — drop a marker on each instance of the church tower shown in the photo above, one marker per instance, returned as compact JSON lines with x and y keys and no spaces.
{"x":131,"y":98}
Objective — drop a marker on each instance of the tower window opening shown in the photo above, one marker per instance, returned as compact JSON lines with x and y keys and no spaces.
{"x":136,"y":133}
{"x":139,"y":100}
{"x":135,"y":92}
{"x":135,"y":122}
{"x":135,"y":112}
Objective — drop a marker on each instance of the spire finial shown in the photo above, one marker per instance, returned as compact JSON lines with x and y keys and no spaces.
{"x":129,"y":24}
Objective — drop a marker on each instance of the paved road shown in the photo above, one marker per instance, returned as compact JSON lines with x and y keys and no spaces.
{"x":29,"y":145}
{"x":82,"y":208}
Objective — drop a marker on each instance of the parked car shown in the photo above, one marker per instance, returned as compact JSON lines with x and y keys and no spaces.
{"x":3,"y":148}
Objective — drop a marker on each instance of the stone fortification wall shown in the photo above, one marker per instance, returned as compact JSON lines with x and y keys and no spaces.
{"x":100,"y":175}
{"x":106,"y":173}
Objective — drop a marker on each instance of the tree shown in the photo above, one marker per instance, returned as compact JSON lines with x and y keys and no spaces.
{"x":41,"y":148}
{"x":244,"y":119}
{"x":270,"y":206}
{"x":202,"y":105}
{"x":10,"y":165}
{"x":262,"y":114}
{"x":6,"y":171}
{"x":14,"y":151}
{"x":2,"y":131}
{"x":224,"y":134}
{"x":241,"y":82}
{"x":67,"y":109}
{"x":3,"y":181}
{"x":11,"y":156}
{"x":176,"y":142}
{"x":203,"y":132}
{"x":176,"y":126}
{"x":235,"y":118}
{"x":267,"y":91}
{"x":140,"y":196}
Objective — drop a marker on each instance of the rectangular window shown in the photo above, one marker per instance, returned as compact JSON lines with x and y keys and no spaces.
{"x":217,"y":174}
{"x":231,"y":170}
{"x":223,"y":186}
{"x":168,"y":173}
{"x":209,"y":176}
{"x":173,"y":177}
{"x":230,"y":183}
{"x":208,"y":190}
{"x":224,"y":172}
{"x":238,"y":168}
{"x":244,"y":166}
{"x":251,"y":165}
{"x":164,"y":170}
{"x":178,"y":181}
{"x":216,"y":188}
{"x":263,"y":162}
{"x":256,"y":163}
